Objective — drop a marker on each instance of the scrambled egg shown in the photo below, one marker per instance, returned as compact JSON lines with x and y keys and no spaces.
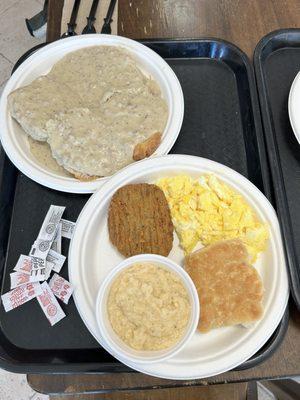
{"x":206,"y":210}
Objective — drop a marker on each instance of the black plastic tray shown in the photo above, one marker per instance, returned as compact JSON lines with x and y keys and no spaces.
{"x":221,"y":122}
{"x":277,"y":62}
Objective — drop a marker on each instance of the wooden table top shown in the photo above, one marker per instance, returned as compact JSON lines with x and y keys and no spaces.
{"x":285,"y":362}
{"x":244,"y":23}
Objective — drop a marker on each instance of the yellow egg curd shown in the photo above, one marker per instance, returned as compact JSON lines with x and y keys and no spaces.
{"x":206,"y":210}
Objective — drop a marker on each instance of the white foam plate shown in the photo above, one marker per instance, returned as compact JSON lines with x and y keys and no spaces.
{"x":294,"y":106}
{"x":91,"y":257}
{"x":14,"y":140}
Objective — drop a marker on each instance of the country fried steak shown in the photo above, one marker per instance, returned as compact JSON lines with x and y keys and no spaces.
{"x":139,"y":220}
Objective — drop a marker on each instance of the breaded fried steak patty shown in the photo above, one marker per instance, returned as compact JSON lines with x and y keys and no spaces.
{"x":139,"y":220}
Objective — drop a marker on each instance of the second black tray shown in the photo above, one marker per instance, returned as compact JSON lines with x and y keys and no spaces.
{"x":221,"y":122}
{"x":277,"y":62}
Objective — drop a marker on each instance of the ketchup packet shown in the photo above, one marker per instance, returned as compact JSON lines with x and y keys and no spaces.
{"x":61,"y":288}
{"x":20,"y":295}
{"x":49,"y":305}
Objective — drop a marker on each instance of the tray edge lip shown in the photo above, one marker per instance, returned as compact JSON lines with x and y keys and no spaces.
{"x":267,"y":126}
{"x":276,"y":342}
{"x":266,"y":38}
{"x":196,"y":40}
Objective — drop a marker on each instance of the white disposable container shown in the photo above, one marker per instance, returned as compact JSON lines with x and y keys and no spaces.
{"x":92,"y":257}
{"x":119,"y":348}
{"x":14,"y":140}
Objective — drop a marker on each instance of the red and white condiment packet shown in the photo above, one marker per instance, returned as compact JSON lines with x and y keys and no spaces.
{"x":20,"y":295}
{"x":24,"y":264}
{"x":56,"y":244}
{"x":56,"y":259}
{"x":67,"y":229}
{"x":19,"y":278}
{"x":32,"y":266}
{"x":47,"y":232}
{"x":61,"y":288}
{"x":49,"y":305}
{"x":41,"y":269}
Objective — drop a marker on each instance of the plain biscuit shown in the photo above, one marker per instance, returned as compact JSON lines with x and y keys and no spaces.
{"x":230,"y":290}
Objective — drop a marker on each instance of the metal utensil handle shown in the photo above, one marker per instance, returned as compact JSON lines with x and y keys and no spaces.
{"x":72,"y":22}
{"x":93,"y":10}
{"x":110,"y":11}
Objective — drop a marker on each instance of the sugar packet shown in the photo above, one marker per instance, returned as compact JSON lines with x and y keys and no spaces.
{"x":67,"y":228}
{"x":47,"y":232}
{"x":56,"y":259}
{"x":56,"y":244}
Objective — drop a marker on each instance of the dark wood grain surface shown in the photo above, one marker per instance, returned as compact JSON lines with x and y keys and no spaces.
{"x":224,"y":392}
{"x":285,"y":362}
{"x":242,"y":22}
{"x":54,"y":18}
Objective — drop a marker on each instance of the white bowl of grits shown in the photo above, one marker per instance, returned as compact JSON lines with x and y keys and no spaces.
{"x":147,"y":309}
{"x":82,"y":108}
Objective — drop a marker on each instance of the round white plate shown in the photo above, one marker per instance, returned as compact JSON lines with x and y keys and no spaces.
{"x":14,"y":140}
{"x":294,"y":106}
{"x":91,"y":257}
